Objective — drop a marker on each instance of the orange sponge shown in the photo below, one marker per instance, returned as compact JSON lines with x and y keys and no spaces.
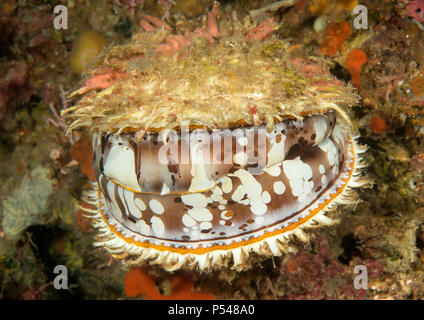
{"x":137,"y":282}
{"x":354,"y":62}
{"x":334,"y":37}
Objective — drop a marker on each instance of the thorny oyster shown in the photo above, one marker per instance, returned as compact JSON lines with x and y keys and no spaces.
{"x":214,"y":144}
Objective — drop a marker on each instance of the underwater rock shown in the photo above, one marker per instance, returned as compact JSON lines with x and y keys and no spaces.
{"x":27,"y":205}
{"x":13,"y":77}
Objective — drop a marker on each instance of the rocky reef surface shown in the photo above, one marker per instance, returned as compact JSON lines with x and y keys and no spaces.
{"x":44,"y":172}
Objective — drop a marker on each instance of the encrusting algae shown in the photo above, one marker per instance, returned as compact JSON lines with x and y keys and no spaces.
{"x":233,"y":82}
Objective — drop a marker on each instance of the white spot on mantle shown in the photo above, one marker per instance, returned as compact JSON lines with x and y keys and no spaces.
{"x":157,"y":226}
{"x":156,"y":206}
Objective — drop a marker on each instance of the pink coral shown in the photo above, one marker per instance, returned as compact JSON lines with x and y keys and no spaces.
{"x":100,"y":81}
{"x":415,"y":9}
{"x":262,"y":31}
{"x":175,"y":43}
{"x":157,"y":22}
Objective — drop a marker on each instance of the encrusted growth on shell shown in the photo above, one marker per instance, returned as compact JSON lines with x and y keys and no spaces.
{"x":229,"y":81}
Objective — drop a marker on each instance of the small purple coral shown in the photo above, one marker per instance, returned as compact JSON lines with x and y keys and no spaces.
{"x":415,"y":9}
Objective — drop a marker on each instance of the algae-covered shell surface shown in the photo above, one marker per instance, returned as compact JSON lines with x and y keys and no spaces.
{"x":213,"y":146}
